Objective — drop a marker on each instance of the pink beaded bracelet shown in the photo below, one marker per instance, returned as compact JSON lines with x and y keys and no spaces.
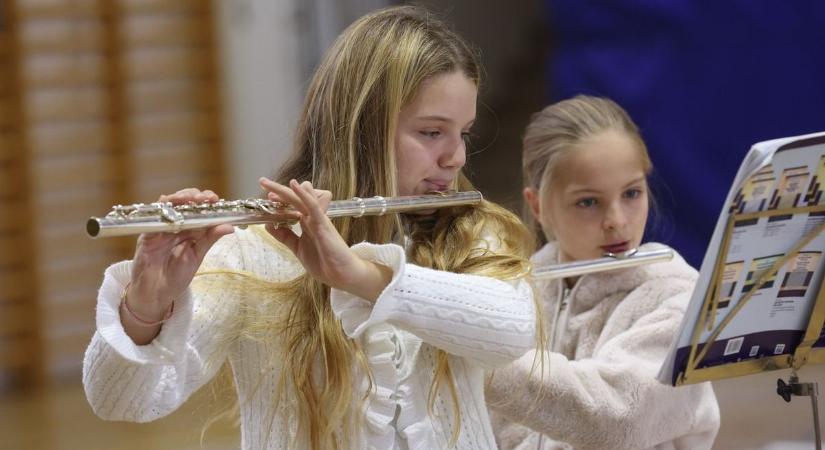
{"x":125,"y":306}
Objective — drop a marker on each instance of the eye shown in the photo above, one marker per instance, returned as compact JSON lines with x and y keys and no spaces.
{"x":586,"y":202}
{"x":430,"y":133}
{"x":633,"y":193}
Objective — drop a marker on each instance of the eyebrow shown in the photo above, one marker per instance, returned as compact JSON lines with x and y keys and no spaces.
{"x":586,"y":190}
{"x":438,"y":118}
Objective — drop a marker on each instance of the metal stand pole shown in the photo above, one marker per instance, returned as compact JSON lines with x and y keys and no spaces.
{"x":794,"y":387}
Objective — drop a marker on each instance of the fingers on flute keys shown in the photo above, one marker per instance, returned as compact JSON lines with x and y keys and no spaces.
{"x":309,"y":205}
{"x":189,"y":195}
{"x":200,"y":239}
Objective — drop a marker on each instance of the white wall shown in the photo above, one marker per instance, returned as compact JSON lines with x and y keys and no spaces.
{"x":269,"y":49}
{"x":262,"y":87}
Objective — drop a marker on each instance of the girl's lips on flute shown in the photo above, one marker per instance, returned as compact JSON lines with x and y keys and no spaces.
{"x":437,"y":184}
{"x":617,"y":247}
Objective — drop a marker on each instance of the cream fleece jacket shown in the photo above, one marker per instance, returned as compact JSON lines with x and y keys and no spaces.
{"x":598,"y":389}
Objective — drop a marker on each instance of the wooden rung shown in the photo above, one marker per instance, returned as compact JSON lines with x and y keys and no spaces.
{"x":161,"y":6}
{"x":63,"y":47}
{"x":38,"y":9}
{"x":34,"y":9}
{"x":69,"y":347}
{"x":67,"y":302}
{"x":173,"y":159}
{"x":69,"y":138}
{"x":73,"y":274}
{"x":64,"y":70}
{"x":74,"y":243}
{"x":165,"y":64}
{"x":170,"y":96}
{"x":15,"y":318}
{"x":164,"y":30}
{"x":152,"y":188}
{"x":55,"y":316}
{"x":62,"y":35}
{"x":171,"y":129}
{"x":67,"y":105}
{"x":79,"y":244}
{"x":68,"y":311}
{"x":182,"y":159}
{"x":42,"y":47}
{"x":74,"y":342}
{"x":73,"y":207}
{"x":63,"y":353}
{"x":60,"y":174}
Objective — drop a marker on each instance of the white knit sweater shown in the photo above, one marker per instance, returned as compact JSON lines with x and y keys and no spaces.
{"x":481,"y":322}
{"x":599,"y":386}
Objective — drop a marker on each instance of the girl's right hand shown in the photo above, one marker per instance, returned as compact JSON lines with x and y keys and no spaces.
{"x":165,"y":263}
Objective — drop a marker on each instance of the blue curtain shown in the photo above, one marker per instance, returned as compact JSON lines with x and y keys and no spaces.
{"x":703,"y":80}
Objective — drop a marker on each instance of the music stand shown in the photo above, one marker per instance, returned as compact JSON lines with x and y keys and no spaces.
{"x":801,"y":217}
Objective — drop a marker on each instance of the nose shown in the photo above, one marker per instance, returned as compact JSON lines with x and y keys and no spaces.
{"x":615,"y":217}
{"x":454,"y":155}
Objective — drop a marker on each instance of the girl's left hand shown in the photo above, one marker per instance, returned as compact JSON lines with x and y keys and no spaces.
{"x":320,"y":248}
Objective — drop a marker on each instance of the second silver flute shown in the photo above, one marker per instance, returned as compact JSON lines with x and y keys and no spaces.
{"x":609,"y":262}
{"x":127,"y":220}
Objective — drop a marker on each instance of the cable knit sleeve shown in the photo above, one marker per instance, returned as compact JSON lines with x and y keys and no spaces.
{"x":611,"y":400}
{"x":125,"y":381}
{"x":489,"y":321}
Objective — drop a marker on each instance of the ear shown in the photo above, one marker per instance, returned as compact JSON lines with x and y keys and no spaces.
{"x":531,"y":196}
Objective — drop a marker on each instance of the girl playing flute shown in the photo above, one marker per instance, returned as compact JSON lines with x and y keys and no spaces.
{"x":359,"y":333}
{"x":586,"y":168}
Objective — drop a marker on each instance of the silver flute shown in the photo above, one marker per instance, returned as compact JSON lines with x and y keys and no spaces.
{"x":164,"y":217}
{"x":610,"y":261}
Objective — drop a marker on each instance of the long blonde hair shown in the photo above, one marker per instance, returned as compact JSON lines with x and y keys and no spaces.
{"x":344,"y":143}
{"x":557,"y":130}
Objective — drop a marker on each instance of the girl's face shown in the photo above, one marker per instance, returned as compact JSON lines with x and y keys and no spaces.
{"x":430,"y":138}
{"x":597,"y":201}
